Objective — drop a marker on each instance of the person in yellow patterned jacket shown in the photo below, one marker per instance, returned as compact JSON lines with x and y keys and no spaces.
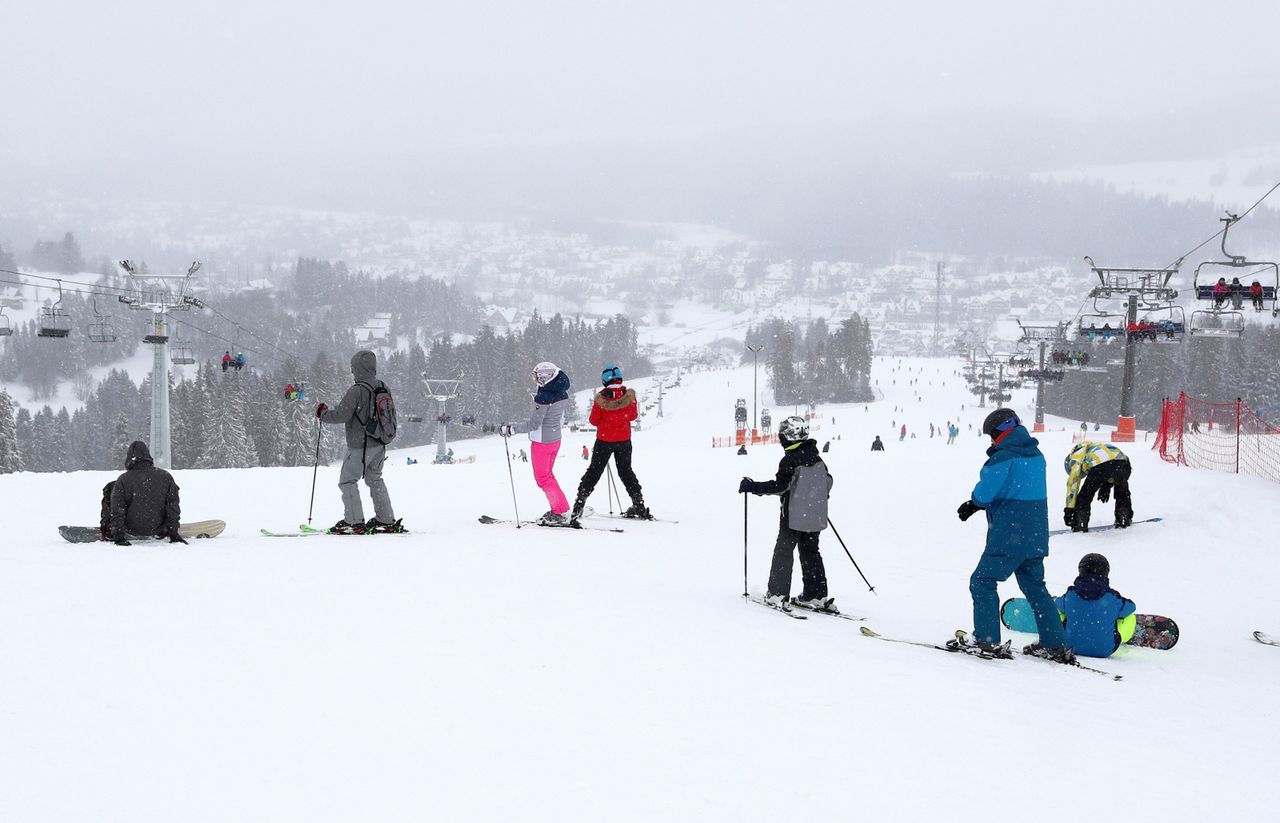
{"x":1096,"y":468}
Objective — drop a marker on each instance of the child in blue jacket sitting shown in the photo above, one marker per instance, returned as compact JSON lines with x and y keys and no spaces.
{"x":1096,"y":617}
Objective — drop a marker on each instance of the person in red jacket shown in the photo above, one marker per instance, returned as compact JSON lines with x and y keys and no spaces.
{"x":612,"y":411}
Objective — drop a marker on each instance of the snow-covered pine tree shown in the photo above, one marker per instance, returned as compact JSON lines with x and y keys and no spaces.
{"x":121,"y":438}
{"x":10,"y":453}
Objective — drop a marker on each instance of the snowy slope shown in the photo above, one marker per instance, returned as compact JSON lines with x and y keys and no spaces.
{"x":470,"y":672}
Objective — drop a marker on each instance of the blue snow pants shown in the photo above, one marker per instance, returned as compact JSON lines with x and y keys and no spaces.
{"x":1029,"y":571}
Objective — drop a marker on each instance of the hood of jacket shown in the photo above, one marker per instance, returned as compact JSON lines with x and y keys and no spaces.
{"x":555,"y":391}
{"x":364,"y":366}
{"x":1091,"y":586}
{"x":805,"y":454}
{"x":612,"y":398}
{"x":138,"y":454}
{"x":1017,"y":443}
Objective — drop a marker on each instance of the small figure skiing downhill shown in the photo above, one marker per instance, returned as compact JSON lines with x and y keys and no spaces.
{"x":612,"y":410}
{"x":1011,"y":490}
{"x":544,"y":427}
{"x":368,"y":414}
{"x":804,"y":485}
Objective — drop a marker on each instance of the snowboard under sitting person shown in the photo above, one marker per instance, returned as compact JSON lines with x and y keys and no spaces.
{"x":1097,"y":618}
{"x":1011,"y":489}
{"x":804,"y":485}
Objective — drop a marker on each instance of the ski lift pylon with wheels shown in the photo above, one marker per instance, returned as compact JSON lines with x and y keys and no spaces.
{"x":54,"y":320}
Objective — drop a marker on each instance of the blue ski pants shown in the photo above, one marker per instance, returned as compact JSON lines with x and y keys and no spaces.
{"x":1029,"y":572}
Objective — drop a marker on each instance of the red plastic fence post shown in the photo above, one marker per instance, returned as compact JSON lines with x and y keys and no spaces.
{"x":1237,"y":435}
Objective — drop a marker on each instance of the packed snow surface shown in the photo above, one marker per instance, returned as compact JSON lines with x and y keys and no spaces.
{"x":477,"y":672}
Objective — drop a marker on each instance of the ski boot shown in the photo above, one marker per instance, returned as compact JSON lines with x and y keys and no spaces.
{"x":1124,"y":516}
{"x":963,"y":643}
{"x":579,"y":506}
{"x":1058,"y":654}
{"x":553,"y":519}
{"x":376,"y":526}
{"x":781,"y":602}
{"x":816,"y":604}
{"x":638,"y":511}
{"x":343,"y":527}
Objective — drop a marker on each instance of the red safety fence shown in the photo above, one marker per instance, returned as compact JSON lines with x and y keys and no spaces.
{"x":1228,"y":437}
{"x":749,"y":437}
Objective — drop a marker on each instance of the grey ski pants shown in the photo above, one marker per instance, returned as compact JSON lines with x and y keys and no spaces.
{"x":365,"y":462}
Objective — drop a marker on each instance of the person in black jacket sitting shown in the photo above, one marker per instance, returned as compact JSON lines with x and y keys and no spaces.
{"x":143,"y":500}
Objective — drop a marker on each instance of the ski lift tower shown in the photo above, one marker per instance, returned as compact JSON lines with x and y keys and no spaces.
{"x":1042,"y":334}
{"x":441,"y":391}
{"x":1135,"y":286}
{"x":159,"y":294}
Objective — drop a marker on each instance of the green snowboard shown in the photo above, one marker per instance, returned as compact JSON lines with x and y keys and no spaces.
{"x":1151,"y":632}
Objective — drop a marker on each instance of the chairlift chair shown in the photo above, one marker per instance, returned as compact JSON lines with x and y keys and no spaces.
{"x":6,"y":328}
{"x":1168,"y":321}
{"x":101,"y":330}
{"x":1235,"y":262}
{"x":54,"y":320}
{"x":181,"y":355}
{"x":1211,"y":323}
{"x":1102,"y":326}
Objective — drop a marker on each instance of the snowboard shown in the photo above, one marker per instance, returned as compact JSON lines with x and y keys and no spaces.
{"x":1152,"y":631}
{"x":191,"y":531}
{"x":1108,"y":527}
{"x":1266,"y":639}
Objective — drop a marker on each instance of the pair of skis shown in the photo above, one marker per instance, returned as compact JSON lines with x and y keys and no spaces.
{"x":789,"y":611}
{"x":963,"y":646}
{"x":307,"y":531}
{"x":568,"y":524}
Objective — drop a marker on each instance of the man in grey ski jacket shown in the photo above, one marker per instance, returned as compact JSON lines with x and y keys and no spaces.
{"x":144,"y":500}
{"x":365,"y":456}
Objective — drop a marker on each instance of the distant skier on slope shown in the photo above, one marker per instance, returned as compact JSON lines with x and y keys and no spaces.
{"x":358,"y":411}
{"x":143,"y":501}
{"x":544,"y":427}
{"x":804,"y":485}
{"x":1011,"y":489}
{"x":1100,"y":467}
{"x":877,"y":445}
{"x":612,"y":410}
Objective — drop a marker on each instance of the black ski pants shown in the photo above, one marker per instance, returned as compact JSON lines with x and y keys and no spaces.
{"x":620,"y":451}
{"x":812,"y":571}
{"x":1115,"y":472}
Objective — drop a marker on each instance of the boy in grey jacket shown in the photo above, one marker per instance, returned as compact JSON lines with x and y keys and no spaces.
{"x":364,"y":455}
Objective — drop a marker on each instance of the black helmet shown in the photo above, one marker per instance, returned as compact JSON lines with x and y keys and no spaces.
{"x":1095,"y":564}
{"x":793,"y":430}
{"x":999,"y":422}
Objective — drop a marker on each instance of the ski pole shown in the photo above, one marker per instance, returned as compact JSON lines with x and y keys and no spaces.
{"x":511,"y":474}
{"x":315,"y":467}
{"x":745,"y":593}
{"x":612,"y":491}
{"x":870,"y":587}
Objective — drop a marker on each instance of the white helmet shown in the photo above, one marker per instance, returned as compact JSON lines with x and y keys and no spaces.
{"x":545,"y":372}
{"x":794,"y":429}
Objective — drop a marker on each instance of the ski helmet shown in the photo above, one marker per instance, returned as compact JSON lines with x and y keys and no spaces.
{"x":1095,"y":564}
{"x":545,"y":372}
{"x":793,"y":430}
{"x":999,"y":422}
{"x":611,"y":374}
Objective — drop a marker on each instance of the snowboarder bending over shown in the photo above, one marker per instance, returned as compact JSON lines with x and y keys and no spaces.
{"x":612,"y":411}
{"x":1098,"y":618}
{"x":144,"y":500}
{"x":1011,"y":489}
{"x":544,"y":428}
{"x":369,"y":416}
{"x":804,"y":485}
{"x":1101,"y":467}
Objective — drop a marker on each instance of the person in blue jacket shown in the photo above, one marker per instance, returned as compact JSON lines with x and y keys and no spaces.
{"x":1098,"y":618}
{"x":1011,"y":489}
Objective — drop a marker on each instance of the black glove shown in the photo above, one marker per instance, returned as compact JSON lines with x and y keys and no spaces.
{"x":1104,"y":493}
{"x":746,"y":485}
{"x":174,"y":537}
{"x":120,"y":541}
{"x":967,"y":509}
{"x":1069,"y":517}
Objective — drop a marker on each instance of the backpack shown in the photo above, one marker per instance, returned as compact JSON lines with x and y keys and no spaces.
{"x":807,"y":498}
{"x":381,"y":425}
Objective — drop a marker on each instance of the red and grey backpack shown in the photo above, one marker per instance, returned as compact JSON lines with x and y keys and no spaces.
{"x":381,"y":423}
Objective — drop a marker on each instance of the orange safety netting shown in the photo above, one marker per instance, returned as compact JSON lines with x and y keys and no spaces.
{"x":1228,"y":437}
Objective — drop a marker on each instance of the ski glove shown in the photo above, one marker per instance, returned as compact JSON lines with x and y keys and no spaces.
{"x":747,"y":485}
{"x":967,"y":510}
{"x":321,"y":408}
{"x":1069,"y":517}
{"x":174,"y":537}
{"x":1104,"y":493}
{"x":122,"y":542}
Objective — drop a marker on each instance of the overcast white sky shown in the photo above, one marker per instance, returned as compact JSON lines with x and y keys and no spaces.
{"x":176,"y":87}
